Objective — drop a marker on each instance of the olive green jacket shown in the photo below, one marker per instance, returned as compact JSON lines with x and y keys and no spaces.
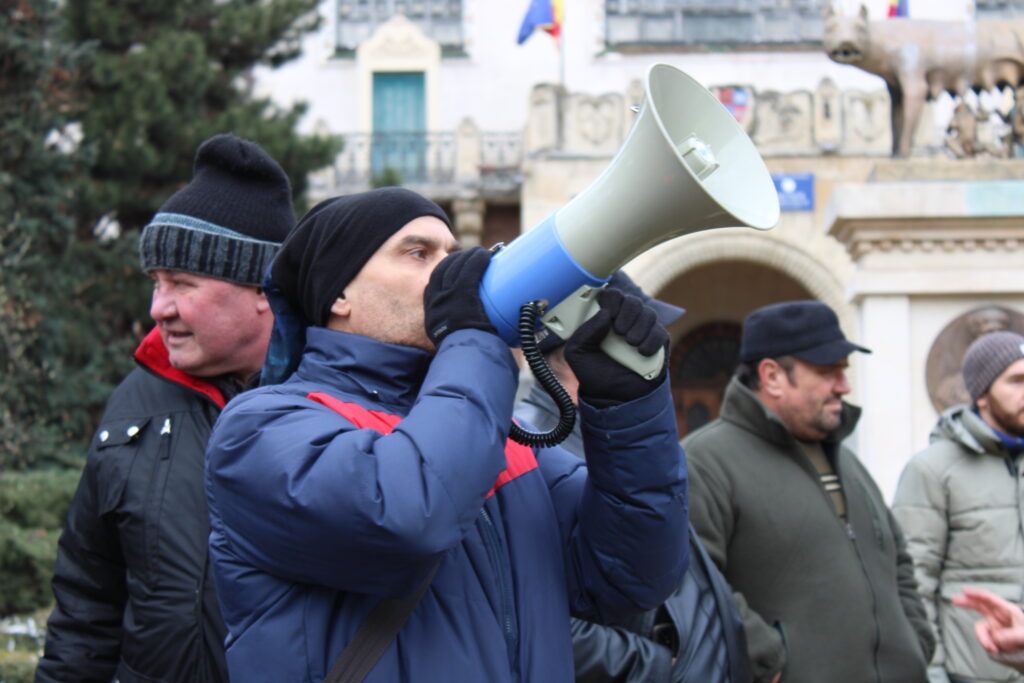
{"x":822,"y":600}
{"x":960,"y":503}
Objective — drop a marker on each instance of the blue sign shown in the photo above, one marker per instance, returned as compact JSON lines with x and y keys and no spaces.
{"x":796,"y":191}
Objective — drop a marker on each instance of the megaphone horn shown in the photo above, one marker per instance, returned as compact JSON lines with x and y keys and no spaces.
{"x":686,"y":166}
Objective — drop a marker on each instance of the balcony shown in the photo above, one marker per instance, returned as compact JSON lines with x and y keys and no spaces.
{"x":442,"y":165}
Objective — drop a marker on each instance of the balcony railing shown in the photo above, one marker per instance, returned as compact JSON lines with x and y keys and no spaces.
{"x":437,"y":164}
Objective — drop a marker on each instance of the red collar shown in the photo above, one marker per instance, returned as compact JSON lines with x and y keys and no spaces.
{"x":152,"y":355}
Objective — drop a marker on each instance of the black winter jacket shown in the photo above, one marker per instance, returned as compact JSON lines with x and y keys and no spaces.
{"x":709,"y":643}
{"x":134,"y":592}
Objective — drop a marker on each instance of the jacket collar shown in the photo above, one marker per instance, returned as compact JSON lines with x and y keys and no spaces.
{"x":390,"y":374}
{"x":152,"y":355}
{"x":742,"y":408}
{"x":961,"y":425}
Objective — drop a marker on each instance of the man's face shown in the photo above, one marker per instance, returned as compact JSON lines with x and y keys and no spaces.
{"x":384,"y":300}
{"x":210,"y":327}
{"x":1002,"y":406}
{"x":808,"y":399}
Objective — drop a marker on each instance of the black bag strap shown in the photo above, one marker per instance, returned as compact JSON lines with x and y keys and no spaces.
{"x":381,"y":627}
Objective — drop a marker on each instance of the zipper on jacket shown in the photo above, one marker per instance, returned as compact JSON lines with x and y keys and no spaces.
{"x":154,"y":498}
{"x":499,"y":557}
{"x":852,"y":535}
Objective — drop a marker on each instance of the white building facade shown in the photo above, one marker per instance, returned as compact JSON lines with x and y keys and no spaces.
{"x":916,"y":255}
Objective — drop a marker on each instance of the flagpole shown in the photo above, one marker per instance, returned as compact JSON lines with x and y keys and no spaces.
{"x":561,"y":62}
{"x":561,"y":50}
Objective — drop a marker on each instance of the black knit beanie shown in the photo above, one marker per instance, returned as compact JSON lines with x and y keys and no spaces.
{"x":333,"y":242}
{"x":229,"y":221}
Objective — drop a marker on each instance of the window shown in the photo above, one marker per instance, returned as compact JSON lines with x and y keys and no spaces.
{"x":998,"y":9}
{"x":710,"y":23}
{"x":439,"y":19}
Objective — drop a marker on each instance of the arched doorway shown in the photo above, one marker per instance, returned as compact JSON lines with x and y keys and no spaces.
{"x":702,"y":363}
{"x":705,"y":352}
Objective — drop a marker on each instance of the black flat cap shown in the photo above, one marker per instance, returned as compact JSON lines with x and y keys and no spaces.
{"x":808,"y":330}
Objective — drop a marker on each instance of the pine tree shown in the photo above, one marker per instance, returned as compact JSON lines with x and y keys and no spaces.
{"x":37,"y":170}
{"x":36,"y":198}
{"x":160,"y":78}
{"x":167,"y":75}
{"x":100,"y":121}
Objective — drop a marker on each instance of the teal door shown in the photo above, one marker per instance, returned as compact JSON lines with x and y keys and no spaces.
{"x":399,"y":126}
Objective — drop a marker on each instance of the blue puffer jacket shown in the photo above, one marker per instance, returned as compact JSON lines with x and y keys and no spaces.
{"x":314,"y":520}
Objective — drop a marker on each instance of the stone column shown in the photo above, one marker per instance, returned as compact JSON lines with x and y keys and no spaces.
{"x":885,"y":432}
{"x":469,"y":220}
{"x":467,"y":153}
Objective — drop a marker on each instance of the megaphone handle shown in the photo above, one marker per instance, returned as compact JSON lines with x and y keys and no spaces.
{"x":581,"y":306}
{"x":620,"y":350}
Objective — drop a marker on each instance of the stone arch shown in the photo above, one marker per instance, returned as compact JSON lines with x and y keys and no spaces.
{"x":656,"y":268}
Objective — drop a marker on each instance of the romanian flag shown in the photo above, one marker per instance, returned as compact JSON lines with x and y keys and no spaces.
{"x":899,"y":8}
{"x":543,"y":14}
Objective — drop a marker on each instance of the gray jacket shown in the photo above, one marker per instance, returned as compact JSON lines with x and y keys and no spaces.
{"x":960,"y":506}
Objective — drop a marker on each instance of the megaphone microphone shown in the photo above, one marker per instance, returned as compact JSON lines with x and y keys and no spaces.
{"x":686,"y":166}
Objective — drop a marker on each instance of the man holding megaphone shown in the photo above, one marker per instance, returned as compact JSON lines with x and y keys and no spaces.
{"x":371,"y":520}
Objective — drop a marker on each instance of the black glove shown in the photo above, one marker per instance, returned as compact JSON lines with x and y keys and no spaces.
{"x":605,"y":381}
{"x":451,"y":300}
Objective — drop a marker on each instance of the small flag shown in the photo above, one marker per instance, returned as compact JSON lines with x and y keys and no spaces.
{"x":735,"y":100}
{"x":542,"y":14}
{"x":899,"y":8}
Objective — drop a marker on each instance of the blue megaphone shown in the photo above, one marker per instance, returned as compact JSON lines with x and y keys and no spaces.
{"x":686,"y":166}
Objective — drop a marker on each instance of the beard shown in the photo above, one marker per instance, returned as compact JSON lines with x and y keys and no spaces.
{"x":827,"y":419}
{"x":1009,"y":421}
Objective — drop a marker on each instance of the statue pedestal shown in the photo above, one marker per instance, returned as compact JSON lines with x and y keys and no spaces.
{"x":929,"y":244}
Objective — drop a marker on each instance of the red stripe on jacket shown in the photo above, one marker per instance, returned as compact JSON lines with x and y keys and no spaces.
{"x":519,"y":459}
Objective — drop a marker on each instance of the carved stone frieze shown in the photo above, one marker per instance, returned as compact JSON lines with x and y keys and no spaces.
{"x":866,"y":122}
{"x":784,"y":122}
{"x":931,"y":238}
{"x":828,"y":116}
{"x":594,"y":124}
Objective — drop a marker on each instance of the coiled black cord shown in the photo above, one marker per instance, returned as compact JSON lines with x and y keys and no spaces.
{"x":542,"y":372}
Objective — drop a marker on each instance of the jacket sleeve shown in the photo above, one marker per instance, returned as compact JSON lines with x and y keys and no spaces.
{"x":607,"y":654}
{"x":297,"y":491}
{"x":623,"y":516}
{"x":713,"y":520}
{"x":921,"y":527}
{"x":83,"y":634}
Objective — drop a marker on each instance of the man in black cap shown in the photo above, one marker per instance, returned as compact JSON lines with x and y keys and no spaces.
{"x":793,"y":519}
{"x":135,"y":599}
{"x":372,"y":497}
{"x":697,"y":635}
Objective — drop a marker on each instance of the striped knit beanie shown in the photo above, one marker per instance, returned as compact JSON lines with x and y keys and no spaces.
{"x":229,"y":221}
{"x":987,"y":357}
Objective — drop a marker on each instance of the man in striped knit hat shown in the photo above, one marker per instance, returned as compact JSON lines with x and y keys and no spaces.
{"x":135,"y":598}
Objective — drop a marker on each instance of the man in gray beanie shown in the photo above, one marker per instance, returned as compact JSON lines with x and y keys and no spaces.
{"x":958,"y":502}
{"x":135,"y":599}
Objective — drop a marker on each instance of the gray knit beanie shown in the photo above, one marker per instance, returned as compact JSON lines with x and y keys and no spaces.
{"x":988,"y":357}
{"x":229,"y":221}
